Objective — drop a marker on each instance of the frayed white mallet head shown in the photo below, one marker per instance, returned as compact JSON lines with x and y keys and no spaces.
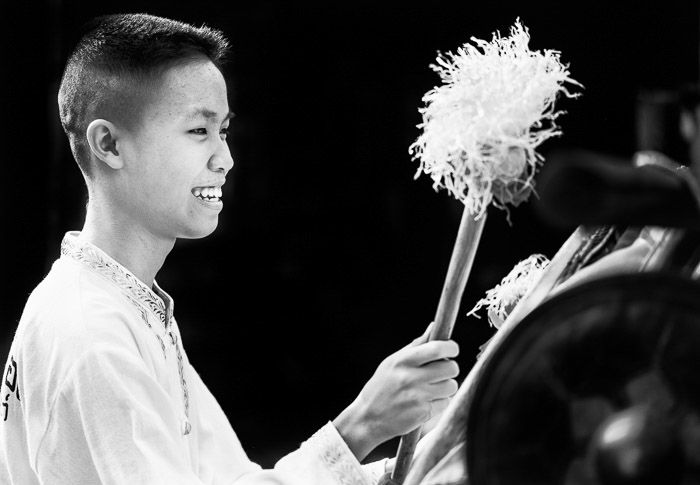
{"x":501,"y":299}
{"x":482,"y":125}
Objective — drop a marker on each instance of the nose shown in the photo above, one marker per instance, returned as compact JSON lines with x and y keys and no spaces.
{"x":221,"y":160}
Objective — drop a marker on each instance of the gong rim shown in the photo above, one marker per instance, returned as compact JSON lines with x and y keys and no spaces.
{"x":656,"y":294}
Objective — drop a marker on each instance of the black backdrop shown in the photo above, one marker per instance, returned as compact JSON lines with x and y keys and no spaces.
{"x":329,"y":256}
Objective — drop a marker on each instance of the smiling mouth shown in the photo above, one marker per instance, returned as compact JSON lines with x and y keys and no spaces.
{"x":207,"y":194}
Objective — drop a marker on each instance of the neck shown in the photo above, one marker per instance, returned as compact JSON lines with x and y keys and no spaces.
{"x":134,"y":247}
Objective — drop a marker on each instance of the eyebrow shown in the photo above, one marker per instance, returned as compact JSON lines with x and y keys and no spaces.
{"x":209,"y":114}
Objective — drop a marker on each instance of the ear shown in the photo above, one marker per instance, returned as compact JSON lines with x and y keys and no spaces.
{"x":102,"y":137}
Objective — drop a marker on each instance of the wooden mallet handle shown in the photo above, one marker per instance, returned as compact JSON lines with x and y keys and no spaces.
{"x":461,"y":262}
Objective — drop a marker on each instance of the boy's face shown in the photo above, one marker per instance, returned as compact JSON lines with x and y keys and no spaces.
{"x":176,"y":157}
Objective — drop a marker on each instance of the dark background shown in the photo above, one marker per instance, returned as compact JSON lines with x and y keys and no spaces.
{"x":329,"y":256}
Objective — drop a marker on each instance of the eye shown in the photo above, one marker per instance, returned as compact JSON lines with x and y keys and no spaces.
{"x":199,"y":131}
{"x":223,"y":133}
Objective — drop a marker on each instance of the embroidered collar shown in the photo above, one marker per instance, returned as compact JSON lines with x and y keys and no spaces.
{"x":156,"y":300}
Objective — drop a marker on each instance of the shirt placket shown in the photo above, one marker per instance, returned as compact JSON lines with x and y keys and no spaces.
{"x":172,"y":338}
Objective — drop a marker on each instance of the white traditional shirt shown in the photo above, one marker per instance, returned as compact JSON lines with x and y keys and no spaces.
{"x":98,"y":389}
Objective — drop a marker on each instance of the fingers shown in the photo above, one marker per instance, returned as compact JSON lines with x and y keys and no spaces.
{"x":431,"y":351}
{"x":423,"y":338}
{"x":443,"y":389}
{"x":440,"y":370}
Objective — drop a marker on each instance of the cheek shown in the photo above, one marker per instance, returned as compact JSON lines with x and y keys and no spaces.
{"x":167,"y":170}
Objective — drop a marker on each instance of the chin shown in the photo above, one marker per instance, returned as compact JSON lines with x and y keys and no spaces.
{"x":199,"y":232}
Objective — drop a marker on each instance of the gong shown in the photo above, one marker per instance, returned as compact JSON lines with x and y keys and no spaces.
{"x":598,"y":385}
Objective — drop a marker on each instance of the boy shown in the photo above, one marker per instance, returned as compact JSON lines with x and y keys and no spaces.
{"x":98,"y":388}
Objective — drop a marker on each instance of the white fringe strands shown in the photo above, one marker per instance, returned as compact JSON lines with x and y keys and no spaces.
{"x":482,"y":125}
{"x":501,"y":299}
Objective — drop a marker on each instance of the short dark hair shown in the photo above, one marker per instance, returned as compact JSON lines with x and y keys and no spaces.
{"x":117,"y":55}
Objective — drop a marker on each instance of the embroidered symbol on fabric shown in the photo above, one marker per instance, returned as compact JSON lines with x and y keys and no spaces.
{"x":10,"y":385}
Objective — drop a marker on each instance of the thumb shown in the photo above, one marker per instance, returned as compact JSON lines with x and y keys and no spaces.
{"x":423,"y":338}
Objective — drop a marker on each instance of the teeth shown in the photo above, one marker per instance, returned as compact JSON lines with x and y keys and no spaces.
{"x":207,"y":193}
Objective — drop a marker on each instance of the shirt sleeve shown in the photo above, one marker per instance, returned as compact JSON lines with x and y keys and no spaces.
{"x":324,"y":459}
{"x":377,"y":469}
{"x":112,"y":423}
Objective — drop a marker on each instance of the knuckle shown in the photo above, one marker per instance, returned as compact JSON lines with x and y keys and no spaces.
{"x":393,"y":361}
{"x":408,"y":353}
{"x":412,"y":398}
{"x":398,"y":355}
{"x":385,"y":366}
{"x":404,"y":379}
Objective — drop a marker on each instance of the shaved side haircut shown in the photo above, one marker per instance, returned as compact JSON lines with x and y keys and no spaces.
{"x":114,"y":64}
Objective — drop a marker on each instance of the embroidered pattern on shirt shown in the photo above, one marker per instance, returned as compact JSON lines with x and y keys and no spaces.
{"x":144,"y":317}
{"x":337,"y":457}
{"x":127,"y":282}
{"x":187,"y":427}
{"x":137,"y":293}
{"x":9,"y":385}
